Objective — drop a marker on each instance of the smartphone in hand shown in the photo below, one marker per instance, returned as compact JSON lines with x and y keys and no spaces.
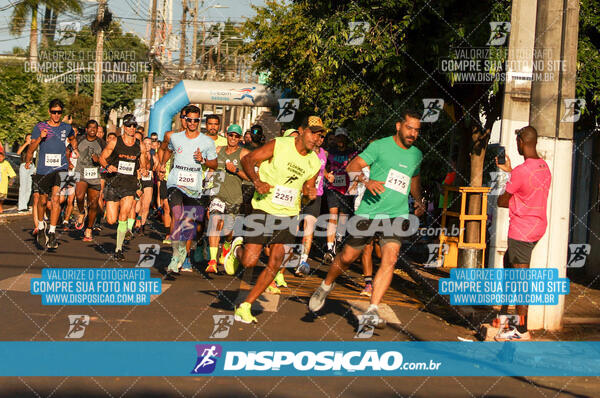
{"x":501,"y":155}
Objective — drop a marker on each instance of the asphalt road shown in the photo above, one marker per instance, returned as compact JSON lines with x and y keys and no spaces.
{"x":184,"y":312}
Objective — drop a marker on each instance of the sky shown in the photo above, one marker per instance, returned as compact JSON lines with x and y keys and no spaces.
{"x":135,"y":12}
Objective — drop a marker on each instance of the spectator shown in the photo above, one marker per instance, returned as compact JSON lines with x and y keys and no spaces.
{"x":6,"y":173}
{"x":24,"y":177}
{"x":526,"y":197}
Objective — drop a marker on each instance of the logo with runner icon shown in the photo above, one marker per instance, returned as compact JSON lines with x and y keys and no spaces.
{"x":432,"y":108}
{"x":207,"y":358}
{"x":578,"y":253}
{"x":77,"y":325}
{"x":222,"y":325}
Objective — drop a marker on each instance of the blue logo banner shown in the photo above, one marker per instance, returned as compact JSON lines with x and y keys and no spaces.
{"x":300,"y":358}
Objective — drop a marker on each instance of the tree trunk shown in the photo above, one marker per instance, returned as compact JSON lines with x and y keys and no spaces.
{"x":46,"y":27}
{"x":33,"y":44}
{"x":480,"y":140}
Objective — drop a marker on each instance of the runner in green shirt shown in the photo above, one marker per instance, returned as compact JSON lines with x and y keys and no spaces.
{"x":394,"y":165}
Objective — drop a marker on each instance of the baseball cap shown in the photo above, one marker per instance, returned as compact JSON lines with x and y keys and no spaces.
{"x":315,"y":124}
{"x":234,"y":128}
{"x":289,"y":132}
{"x":341,"y":131}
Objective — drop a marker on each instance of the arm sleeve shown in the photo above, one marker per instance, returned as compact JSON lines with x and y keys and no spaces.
{"x":514,"y":183}
{"x":210,"y":151}
{"x":36,"y":132}
{"x":370,"y":154}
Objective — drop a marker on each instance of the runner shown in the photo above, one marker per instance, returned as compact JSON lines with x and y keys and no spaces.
{"x":147,"y":186}
{"x":90,"y":147}
{"x":51,"y":137}
{"x":288,"y":169}
{"x":312,"y":210}
{"x":213,"y":125}
{"x":225,"y":206}
{"x":394,"y":165}
{"x":338,"y":200}
{"x":190,"y":149}
{"x":122,"y":157}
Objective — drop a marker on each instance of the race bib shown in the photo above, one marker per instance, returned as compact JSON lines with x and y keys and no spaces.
{"x":217,"y":205}
{"x":187,"y":179}
{"x":339,"y":180}
{"x":397,"y":181}
{"x":52,"y":160}
{"x":148,"y":177}
{"x":284,"y":196}
{"x":90,"y":173}
{"x":126,"y":167}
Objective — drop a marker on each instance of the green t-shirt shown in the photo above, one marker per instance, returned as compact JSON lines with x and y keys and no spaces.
{"x":395,"y":166}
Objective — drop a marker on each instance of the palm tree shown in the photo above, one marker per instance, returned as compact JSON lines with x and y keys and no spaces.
{"x":19,"y":17}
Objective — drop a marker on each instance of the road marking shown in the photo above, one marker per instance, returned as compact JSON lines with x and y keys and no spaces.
{"x":385,"y":311}
{"x":19,"y":283}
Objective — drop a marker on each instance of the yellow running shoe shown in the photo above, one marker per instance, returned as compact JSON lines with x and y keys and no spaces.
{"x":243,"y":314}
{"x":273,"y":289}
{"x":231,"y":261}
{"x":279,"y":280}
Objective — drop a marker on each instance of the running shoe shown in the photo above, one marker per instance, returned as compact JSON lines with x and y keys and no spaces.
{"x":280,"y":280}
{"x":224,"y":250}
{"x":65,"y":225}
{"x":52,"y":243}
{"x":187,"y":265}
{"x":42,"y":238}
{"x":273,"y":289}
{"x":167,"y":240}
{"x":373,"y":319}
{"x":119,"y":255}
{"x":212,"y":267}
{"x":34,"y":232}
{"x":512,"y":334}
{"x":97,"y":227}
{"x":317,"y":300}
{"x":231,"y":261}
{"x":243,"y":314}
{"x":329,"y":256}
{"x":128,"y":236}
{"x":79,"y":224}
{"x":87,"y":236}
{"x":303,"y":269}
{"x":368,"y":290}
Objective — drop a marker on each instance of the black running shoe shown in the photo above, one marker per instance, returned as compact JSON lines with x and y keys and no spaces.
{"x":52,"y":243}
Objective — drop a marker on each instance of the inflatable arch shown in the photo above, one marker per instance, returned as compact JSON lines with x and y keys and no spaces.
{"x":202,"y":92}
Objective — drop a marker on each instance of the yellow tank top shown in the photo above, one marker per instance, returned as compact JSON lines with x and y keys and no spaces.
{"x":286,"y":171}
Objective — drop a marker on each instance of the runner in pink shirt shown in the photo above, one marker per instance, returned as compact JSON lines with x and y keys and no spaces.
{"x":526,"y":197}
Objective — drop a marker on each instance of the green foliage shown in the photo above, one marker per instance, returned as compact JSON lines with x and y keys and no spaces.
{"x":119,"y":48}
{"x":23,"y":101}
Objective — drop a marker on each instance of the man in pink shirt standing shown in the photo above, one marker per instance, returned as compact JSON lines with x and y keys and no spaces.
{"x":526,"y":197}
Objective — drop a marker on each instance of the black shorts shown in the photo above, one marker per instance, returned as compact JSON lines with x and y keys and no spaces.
{"x":176,"y":198}
{"x":43,"y":183}
{"x":162,"y":190}
{"x":519,"y":252}
{"x":114,"y":192}
{"x":219,"y":206}
{"x":146,"y":184}
{"x":257,"y":233}
{"x":358,"y":240}
{"x":313,"y":208}
{"x":344,"y":203}
{"x":95,"y":187}
{"x":247,"y":194}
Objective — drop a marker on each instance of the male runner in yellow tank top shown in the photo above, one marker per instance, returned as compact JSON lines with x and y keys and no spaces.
{"x":288,"y":170}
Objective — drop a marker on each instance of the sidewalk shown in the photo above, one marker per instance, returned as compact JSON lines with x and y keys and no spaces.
{"x":582,"y":305}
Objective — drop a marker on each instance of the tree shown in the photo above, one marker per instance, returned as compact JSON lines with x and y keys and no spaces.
{"x":304,"y":46}
{"x":23,"y":8}
{"x":23,"y":101}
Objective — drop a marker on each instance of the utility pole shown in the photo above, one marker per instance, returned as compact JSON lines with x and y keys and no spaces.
{"x":150,"y":84}
{"x":182,"y":47}
{"x":556,"y":30}
{"x":195,"y":36}
{"x":95,"y":110}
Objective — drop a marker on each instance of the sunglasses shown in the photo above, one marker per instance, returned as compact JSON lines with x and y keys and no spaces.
{"x":154,"y":139}
{"x":129,"y":124}
{"x":56,"y":112}
{"x":234,"y":135}
{"x":192,"y":120}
